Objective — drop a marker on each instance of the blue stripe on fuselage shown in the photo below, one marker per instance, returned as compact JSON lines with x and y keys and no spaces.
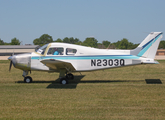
{"x":86,"y":57}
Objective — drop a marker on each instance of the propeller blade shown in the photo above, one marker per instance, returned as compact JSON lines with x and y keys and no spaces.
{"x":10,"y":65}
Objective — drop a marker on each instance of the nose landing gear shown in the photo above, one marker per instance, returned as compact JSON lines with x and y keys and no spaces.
{"x":27,"y":79}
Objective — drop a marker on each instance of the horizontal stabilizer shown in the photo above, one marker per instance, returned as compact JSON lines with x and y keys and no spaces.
{"x":150,"y":62}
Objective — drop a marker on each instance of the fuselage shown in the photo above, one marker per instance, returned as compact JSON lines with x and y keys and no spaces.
{"x":80,"y":57}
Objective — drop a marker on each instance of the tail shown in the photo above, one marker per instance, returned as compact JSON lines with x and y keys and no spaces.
{"x":149,"y":46}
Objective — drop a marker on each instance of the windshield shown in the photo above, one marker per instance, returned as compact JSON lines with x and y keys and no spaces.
{"x":42,"y":49}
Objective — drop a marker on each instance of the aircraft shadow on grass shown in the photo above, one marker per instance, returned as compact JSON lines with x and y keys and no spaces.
{"x":73,"y":83}
{"x":153,"y":81}
{"x":56,"y":85}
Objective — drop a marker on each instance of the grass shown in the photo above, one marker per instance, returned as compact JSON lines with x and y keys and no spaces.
{"x":135,"y":92}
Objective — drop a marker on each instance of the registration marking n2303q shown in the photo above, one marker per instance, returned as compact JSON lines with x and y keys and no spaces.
{"x":107,"y":62}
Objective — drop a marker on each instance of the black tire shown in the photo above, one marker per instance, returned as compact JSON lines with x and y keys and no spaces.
{"x":28,"y":79}
{"x":70,"y":76}
{"x":64,"y":81}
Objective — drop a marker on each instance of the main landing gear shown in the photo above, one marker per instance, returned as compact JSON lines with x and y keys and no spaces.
{"x":64,"y":80}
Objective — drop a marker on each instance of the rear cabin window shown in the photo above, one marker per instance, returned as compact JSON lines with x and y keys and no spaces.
{"x":56,"y":51}
{"x":71,"y":51}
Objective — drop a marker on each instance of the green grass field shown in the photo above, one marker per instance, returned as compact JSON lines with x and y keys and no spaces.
{"x":135,"y":92}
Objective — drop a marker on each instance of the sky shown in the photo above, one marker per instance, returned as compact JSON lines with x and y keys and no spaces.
{"x":110,"y":20}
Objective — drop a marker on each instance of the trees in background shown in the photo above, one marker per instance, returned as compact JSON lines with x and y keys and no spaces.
{"x":125,"y":44}
{"x":58,"y":40}
{"x":1,"y":42}
{"x":162,"y":44}
{"x":44,"y":39}
{"x":15,"y":41}
{"x":106,"y":43}
{"x":71,"y":40}
{"x":90,"y":42}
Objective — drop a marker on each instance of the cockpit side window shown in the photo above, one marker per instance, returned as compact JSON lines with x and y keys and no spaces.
{"x":70,"y":51}
{"x":55,"y":51}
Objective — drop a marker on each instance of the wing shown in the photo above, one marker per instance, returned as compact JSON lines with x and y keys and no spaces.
{"x":57,"y":65}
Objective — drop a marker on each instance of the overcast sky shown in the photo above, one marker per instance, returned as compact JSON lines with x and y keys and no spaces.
{"x":110,"y":20}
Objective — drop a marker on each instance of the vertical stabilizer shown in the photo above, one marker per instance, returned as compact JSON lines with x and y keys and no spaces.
{"x":149,"y":46}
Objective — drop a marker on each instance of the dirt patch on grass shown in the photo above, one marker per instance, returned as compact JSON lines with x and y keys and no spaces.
{"x":4,"y":57}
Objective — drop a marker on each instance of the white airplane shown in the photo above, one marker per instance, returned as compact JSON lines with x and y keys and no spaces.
{"x":68,"y":58}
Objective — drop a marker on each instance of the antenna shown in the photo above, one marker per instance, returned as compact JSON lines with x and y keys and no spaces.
{"x":108,"y":45}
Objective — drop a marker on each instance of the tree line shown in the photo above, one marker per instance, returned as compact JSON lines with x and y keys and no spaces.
{"x":89,"y":41}
{"x":14,"y":41}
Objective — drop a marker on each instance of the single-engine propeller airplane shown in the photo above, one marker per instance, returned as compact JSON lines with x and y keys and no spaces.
{"x":68,"y":58}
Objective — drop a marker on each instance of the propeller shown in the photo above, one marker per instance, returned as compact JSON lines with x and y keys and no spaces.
{"x":10,"y":65}
{"x":11,"y":62}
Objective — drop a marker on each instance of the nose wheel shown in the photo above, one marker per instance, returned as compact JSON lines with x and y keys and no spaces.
{"x":28,"y":79}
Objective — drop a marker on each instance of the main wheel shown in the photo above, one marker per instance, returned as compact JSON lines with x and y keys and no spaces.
{"x":28,"y":79}
{"x":70,"y":76}
{"x":64,"y":81}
